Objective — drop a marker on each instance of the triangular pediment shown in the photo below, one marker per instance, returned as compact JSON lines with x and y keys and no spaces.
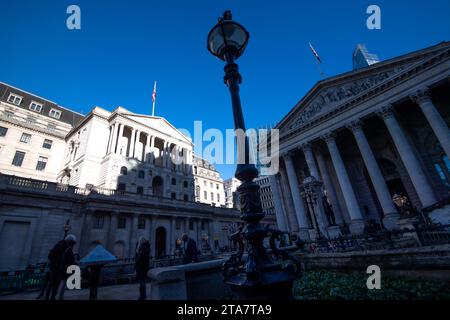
{"x":330,"y":94}
{"x":159,"y":124}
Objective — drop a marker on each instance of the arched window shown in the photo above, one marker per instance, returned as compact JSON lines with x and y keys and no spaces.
{"x":123,"y":171}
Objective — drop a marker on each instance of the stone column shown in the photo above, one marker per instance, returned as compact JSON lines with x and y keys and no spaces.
{"x":288,"y":204}
{"x":309,"y":156}
{"x":211,"y":234}
{"x":437,"y":123}
{"x":112,"y":147}
{"x":331,"y":192}
{"x":152,"y":237}
{"x":119,"y":137}
{"x":146,"y":156}
{"x":112,"y":230}
{"x":131,"y":142}
{"x":281,"y":220}
{"x":412,"y":164}
{"x":296,"y":197}
{"x":390,"y":212}
{"x":357,"y":223}
{"x":133,"y":234}
{"x":110,"y":140}
{"x":138,"y":137}
{"x":166,"y":154}
{"x":172,"y":236}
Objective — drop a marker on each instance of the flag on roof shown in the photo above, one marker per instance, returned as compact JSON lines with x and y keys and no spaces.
{"x":315,"y":52}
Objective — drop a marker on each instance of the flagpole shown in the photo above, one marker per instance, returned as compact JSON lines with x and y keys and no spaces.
{"x":154,"y":99}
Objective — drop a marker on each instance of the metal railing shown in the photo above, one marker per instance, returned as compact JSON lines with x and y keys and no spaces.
{"x":425,"y":235}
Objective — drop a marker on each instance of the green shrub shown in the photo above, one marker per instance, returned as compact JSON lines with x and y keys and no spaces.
{"x":325,"y":285}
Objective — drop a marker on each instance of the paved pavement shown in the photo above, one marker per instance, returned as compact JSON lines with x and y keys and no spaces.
{"x":118,"y":292}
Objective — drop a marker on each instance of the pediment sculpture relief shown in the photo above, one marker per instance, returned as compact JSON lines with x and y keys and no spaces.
{"x":329,"y":98}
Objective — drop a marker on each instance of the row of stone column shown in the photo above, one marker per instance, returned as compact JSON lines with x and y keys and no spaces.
{"x":410,"y":161}
{"x":181,"y":157}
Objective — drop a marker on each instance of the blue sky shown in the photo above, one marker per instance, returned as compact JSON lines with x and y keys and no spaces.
{"x":124,"y":46}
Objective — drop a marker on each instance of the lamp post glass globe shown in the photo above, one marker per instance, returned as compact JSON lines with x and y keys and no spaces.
{"x":227,"y":38}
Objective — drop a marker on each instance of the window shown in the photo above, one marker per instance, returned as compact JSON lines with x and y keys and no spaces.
{"x":14,"y":99}
{"x":99,"y":221}
{"x":174,"y":181}
{"x":51,"y":127}
{"x":150,"y":173}
{"x":121,"y":187}
{"x":3,"y":131}
{"x":124,"y":171}
{"x":204,"y":183}
{"x":173,"y":196}
{"x":42,"y":162}
{"x":18,"y":158}
{"x":141,"y":222}
{"x":212,"y":196}
{"x":25,"y":138}
{"x":185,"y":184}
{"x":203,"y":225}
{"x":178,"y":224}
{"x":122,"y":222}
{"x":217,"y":186}
{"x":218,"y":197}
{"x":34,"y":106}
{"x":185,"y":197}
{"x":211,"y":185}
{"x":141,"y":174}
{"x":205,"y":195}
{"x":47,"y":144}
{"x":31,"y":120}
{"x":140,"y":190}
{"x":55,"y":113}
{"x":191,"y":225}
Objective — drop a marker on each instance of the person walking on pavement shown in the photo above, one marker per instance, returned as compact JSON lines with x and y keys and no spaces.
{"x":142,"y":265}
{"x":190,"y":249}
{"x":68,"y":259}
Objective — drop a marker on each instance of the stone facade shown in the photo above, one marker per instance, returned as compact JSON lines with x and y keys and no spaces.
{"x":231,"y":197}
{"x":29,"y":228}
{"x":208,"y":183}
{"x":358,"y":139}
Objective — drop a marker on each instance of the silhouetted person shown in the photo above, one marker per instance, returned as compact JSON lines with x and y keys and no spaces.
{"x":55,"y":258}
{"x":142,"y":264}
{"x":190,"y":249}
{"x":94,"y":278}
{"x":46,"y":282}
{"x":68,"y":259}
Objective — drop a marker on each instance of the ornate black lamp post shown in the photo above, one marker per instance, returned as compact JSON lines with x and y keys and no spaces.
{"x":258,"y":277}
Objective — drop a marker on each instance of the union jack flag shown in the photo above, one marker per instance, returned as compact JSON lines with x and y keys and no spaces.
{"x":315,"y":52}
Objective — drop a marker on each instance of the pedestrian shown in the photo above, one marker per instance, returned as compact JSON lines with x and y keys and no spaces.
{"x":68,"y":259}
{"x":46,"y":281}
{"x":142,"y":265}
{"x":55,"y":257}
{"x":190,"y":249}
{"x":94,"y":279}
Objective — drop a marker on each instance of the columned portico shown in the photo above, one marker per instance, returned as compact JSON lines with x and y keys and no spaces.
{"x":357,"y":220}
{"x":390,"y":212}
{"x":437,"y":123}
{"x":296,"y":197}
{"x":413,"y":167}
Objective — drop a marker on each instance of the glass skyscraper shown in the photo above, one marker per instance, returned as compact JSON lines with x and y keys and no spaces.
{"x":362,"y":58}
